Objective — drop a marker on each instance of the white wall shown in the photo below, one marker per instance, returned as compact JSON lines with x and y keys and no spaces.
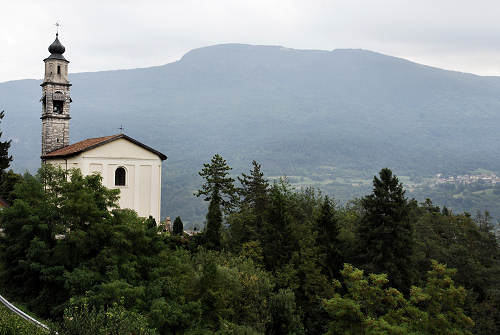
{"x":142,"y":190}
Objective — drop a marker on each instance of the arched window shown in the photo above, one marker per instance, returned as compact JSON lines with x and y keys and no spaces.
{"x":120,"y":176}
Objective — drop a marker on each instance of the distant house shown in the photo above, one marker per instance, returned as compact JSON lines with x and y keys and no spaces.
{"x":3,"y":203}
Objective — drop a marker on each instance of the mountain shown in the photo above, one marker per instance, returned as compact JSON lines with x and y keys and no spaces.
{"x":328,"y":118}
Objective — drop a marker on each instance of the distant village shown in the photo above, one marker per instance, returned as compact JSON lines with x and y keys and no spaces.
{"x":488,"y":178}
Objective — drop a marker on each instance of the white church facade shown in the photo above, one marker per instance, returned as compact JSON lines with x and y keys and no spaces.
{"x":123,"y":162}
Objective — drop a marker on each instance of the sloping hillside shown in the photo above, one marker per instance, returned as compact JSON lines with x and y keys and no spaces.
{"x":327,"y":118}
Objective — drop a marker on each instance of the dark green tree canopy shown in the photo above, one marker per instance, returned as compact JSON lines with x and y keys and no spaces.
{"x":386,"y":233}
{"x":220,"y":191}
{"x":218,"y":186}
{"x":5,"y":159}
{"x":178,"y":228}
{"x":254,"y":188}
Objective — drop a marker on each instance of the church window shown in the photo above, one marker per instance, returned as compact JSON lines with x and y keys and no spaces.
{"x":120,"y":176}
{"x":58,"y":69}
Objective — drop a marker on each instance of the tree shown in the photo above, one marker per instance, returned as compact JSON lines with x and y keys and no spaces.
{"x":178,"y":228}
{"x":219,"y":190}
{"x":386,"y":232}
{"x":254,"y":188}
{"x":5,"y":159}
{"x":219,"y":186}
{"x":368,"y":307}
{"x":328,"y":230}
{"x":254,"y":193}
{"x":212,"y":234}
{"x":7,"y":182}
{"x":50,"y":206}
{"x":7,"y":178}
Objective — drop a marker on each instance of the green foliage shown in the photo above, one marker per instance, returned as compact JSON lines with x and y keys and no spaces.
{"x":328,"y":231}
{"x":368,"y":307}
{"x":212,"y":233}
{"x":285,"y":318}
{"x":472,"y":248}
{"x":11,"y":324}
{"x":178,"y":228}
{"x":69,"y":254}
{"x":8,"y":180}
{"x":219,"y":186}
{"x":5,"y":159}
{"x":386,"y":232}
{"x":116,"y":320}
{"x":233,"y":290}
{"x":254,"y":196}
{"x":220,"y":191}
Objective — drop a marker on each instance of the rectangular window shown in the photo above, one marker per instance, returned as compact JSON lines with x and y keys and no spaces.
{"x":58,"y":69}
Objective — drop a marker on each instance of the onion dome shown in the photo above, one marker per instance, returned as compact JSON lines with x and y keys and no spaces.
{"x":56,"y":49}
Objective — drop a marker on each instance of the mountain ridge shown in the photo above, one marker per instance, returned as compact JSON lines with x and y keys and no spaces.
{"x":293,"y":110}
{"x":267,"y":46}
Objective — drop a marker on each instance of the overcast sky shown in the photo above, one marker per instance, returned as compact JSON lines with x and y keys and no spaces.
{"x":462,"y":35}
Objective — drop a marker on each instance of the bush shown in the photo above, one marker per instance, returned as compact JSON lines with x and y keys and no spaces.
{"x":11,"y":324}
{"x":116,"y":320}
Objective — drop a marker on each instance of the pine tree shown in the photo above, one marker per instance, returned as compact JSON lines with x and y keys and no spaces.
{"x":220,"y":191}
{"x":327,"y":239}
{"x":218,"y":186}
{"x":254,"y":188}
{"x":386,"y":233}
{"x":178,"y":228}
{"x":254,"y":193}
{"x":5,"y":159}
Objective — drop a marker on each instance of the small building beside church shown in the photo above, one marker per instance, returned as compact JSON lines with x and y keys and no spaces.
{"x":123,"y":162}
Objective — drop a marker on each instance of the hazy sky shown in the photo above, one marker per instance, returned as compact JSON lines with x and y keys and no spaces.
{"x":461,"y":35}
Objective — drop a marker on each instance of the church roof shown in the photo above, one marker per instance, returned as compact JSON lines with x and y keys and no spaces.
{"x":91,"y":143}
{"x":56,"y":49}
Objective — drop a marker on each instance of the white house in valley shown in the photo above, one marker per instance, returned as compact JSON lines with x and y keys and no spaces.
{"x":123,"y":162}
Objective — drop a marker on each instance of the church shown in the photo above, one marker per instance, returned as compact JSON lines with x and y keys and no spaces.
{"x":123,"y":162}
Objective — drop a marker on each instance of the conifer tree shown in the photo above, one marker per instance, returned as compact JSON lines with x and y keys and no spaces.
{"x":220,"y":191}
{"x":5,"y":159}
{"x":385,"y":232}
{"x":7,"y":178}
{"x":218,"y":186}
{"x":178,"y":228}
{"x":327,"y":239}
{"x":254,"y":193}
{"x":254,"y":188}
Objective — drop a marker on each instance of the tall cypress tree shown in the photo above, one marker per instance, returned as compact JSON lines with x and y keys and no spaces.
{"x":386,"y":233}
{"x":178,"y":228}
{"x":220,"y":191}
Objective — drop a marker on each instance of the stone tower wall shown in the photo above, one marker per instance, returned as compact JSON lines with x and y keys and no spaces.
{"x":55,"y":126}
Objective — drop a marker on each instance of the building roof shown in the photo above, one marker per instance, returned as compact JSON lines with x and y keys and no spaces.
{"x":91,"y":143}
{"x":3,"y":203}
{"x":56,"y":49}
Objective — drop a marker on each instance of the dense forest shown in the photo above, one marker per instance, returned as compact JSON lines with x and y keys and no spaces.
{"x":271,"y":260}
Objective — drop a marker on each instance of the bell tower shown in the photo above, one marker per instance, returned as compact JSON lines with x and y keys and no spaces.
{"x":55,"y":99}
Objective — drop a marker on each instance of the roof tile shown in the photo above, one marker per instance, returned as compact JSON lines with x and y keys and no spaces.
{"x":78,"y":146}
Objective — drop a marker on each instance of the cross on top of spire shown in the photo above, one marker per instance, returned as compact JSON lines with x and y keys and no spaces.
{"x":57,"y":24}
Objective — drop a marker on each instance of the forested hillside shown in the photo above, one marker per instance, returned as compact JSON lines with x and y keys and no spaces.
{"x":328,"y":118}
{"x":271,"y":260}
